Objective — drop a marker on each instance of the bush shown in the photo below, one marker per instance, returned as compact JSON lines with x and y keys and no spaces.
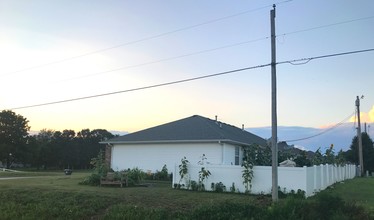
{"x":233,"y":188}
{"x":218,"y":187}
{"x":194,"y":185}
{"x":323,"y":207}
{"x":100,"y":169}
{"x":163,"y":174}
{"x":92,"y":180}
{"x":135,"y":176}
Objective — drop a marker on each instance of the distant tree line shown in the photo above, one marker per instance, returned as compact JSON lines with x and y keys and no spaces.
{"x":48,"y":149}
{"x":67,"y":149}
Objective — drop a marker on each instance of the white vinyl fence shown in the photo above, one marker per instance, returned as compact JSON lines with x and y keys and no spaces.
{"x":308,"y":179}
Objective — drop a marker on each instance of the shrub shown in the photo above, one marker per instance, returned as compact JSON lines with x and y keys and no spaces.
{"x":99,"y":169}
{"x":92,"y":180}
{"x":233,"y":188}
{"x":135,"y":176}
{"x":194,"y":185}
{"x":163,"y":174}
{"x":218,"y":187}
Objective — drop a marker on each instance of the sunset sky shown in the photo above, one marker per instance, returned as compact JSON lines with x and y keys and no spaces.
{"x":58,"y":50}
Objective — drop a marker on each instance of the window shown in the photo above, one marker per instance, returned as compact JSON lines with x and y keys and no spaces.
{"x":236,"y":155}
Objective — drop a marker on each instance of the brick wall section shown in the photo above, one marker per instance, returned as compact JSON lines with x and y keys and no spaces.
{"x":108,"y":154}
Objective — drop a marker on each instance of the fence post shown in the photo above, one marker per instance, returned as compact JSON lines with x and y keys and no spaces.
{"x":345,"y":171}
{"x":174,"y":175}
{"x":322,"y":175}
{"x":306,"y":189}
{"x":315,"y":178}
{"x":327,"y":175}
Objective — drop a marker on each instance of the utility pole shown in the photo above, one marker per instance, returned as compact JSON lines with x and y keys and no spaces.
{"x":360,"y":156}
{"x":274,"y":135}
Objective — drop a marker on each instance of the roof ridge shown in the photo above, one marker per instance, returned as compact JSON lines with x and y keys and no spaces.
{"x":219,"y":124}
{"x":193,"y":128}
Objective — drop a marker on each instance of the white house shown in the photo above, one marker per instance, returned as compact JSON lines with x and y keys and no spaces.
{"x":191,"y":137}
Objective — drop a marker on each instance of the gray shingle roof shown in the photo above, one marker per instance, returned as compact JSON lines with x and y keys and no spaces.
{"x":192,"y":129}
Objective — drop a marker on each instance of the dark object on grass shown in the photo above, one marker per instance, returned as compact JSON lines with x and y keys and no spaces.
{"x":68,"y":171}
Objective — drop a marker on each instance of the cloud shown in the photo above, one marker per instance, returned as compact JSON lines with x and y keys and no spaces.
{"x":301,"y":147}
{"x":371,"y":114}
{"x":365,"y":117}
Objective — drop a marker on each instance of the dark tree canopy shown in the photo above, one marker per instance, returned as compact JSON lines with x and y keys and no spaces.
{"x":367,"y":151}
{"x":67,"y":149}
{"x":13,"y":132}
{"x":48,"y":148}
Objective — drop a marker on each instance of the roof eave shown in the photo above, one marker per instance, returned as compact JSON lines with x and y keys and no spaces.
{"x":178,"y":141}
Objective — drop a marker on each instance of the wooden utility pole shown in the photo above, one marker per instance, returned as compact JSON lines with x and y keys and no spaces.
{"x":274,"y":135}
{"x":360,"y":156}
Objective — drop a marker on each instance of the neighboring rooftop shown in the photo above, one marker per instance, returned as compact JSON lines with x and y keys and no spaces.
{"x":192,"y":129}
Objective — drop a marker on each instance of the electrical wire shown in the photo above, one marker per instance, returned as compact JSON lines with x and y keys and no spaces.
{"x":142,"y":88}
{"x":189,"y":79}
{"x":327,"y":25}
{"x":185,"y":55}
{"x":146,"y":38}
{"x":215,"y":49}
{"x":307,"y":60}
{"x":165,"y":59}
{"x":323,"y":132}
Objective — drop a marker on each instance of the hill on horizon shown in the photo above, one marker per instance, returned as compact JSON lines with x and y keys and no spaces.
{"x":341,"y":136}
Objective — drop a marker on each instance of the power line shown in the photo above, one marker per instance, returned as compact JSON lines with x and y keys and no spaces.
{"x":167,"y":59}
{"x":142,"y":88}
{"x":327,"y":25}
{"x":185,"y":55}
{"x":293,"y":62}
{"x":306,"y":60}
{"x":212,"y":49}
{"x":323,"y":132}
{"x":146,"y":38}
{"x":189,"y":79}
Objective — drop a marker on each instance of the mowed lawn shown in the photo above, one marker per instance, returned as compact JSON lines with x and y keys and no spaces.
{"x":57,"y":196}
{"x":358,"y":190}
{"x":60,"y":196}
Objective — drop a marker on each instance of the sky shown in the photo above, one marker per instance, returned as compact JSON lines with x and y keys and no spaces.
{"x":59,"y":50}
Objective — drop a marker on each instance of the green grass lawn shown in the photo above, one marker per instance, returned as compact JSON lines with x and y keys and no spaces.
{"x":58,"y":196}
{"x":358,"y":190}
{"x":63,"y":192}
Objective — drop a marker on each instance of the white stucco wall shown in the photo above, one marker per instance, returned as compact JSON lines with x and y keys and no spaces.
{"x":152,"y":157}
{"x":228,"y":154}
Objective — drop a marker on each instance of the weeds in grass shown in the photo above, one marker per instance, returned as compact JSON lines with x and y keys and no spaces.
{"x":134,"y":212}
{"x":49,"y":205}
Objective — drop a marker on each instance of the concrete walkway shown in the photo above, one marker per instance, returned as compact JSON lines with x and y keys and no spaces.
{"x":19,"y":177}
